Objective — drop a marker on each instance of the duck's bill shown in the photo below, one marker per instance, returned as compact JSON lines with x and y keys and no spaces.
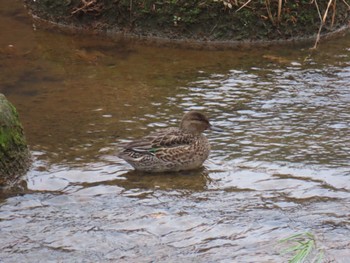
{"x":217,"y":129}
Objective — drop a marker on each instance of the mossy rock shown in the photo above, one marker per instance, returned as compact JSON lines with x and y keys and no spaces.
{"x":14,"y":153}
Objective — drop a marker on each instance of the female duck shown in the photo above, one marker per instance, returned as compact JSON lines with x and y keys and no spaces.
{"x":171,"y":149}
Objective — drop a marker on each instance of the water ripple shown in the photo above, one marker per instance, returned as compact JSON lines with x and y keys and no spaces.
{"x":292,"y":114}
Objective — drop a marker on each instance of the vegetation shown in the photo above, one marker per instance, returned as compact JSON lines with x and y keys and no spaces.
{"x":203,"y":20}
{"x":279,"y":13}
{"x":304,"y":247}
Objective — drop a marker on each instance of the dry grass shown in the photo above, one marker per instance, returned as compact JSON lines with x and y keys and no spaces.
{"x":275,"y":20}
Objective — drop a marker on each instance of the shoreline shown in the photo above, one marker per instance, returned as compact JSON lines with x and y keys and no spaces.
{"x":147,"y":39}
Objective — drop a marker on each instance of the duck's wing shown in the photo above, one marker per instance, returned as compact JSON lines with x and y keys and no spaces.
{"x":167,"y":138}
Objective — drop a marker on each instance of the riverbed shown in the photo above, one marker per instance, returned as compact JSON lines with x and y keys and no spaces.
{"x":280,"y":167}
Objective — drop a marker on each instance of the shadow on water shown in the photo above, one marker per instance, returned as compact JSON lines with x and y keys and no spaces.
{"x":281,"y":166}
{"x":189,"y":180}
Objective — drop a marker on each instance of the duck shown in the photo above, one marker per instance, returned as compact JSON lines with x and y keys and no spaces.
{"x":171,"y":149}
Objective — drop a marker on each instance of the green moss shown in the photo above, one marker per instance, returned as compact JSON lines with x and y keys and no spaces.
{"x":10,"y":128}
{"x":14,"y":154}
{"x":4,"y":139}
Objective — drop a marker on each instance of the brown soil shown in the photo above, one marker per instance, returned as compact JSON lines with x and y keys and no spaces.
{"x":203,"y":22}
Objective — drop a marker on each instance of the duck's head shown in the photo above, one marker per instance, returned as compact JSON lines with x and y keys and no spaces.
{"x":195,"y":122}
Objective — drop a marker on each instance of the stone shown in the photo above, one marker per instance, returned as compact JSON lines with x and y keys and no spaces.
{"x":14,"y":152}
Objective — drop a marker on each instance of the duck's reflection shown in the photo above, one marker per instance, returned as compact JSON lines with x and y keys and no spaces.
{"x":187,"y":180}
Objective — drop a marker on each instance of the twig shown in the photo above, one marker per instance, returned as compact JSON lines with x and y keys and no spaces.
{"x":322,"y":24}
{"x":267,"y":3}
{"x":90,"y":6}
{"x":334,"y":12}
{"x":213,"y":28}
{"x":318,"y":10}
{"x":245,"y":4}
{"x":279,"y":10}
{"x":346,"y":4}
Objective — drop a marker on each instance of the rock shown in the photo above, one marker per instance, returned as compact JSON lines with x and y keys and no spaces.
{"x":14,"y":153}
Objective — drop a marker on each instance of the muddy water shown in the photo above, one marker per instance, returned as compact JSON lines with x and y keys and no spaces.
{"x":280,"y":167}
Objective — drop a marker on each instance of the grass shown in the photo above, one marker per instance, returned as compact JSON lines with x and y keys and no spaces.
{"x":202,"y":20}
{"x":303,"y":247}
{"x":276,"y":16}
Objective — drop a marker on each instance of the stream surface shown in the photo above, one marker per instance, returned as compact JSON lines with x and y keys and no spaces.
{"x":280,"y":167}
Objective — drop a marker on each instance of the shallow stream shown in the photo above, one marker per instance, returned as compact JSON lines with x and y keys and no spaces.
{"x":280,"y":167}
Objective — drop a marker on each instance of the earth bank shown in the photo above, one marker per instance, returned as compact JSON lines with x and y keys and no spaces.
{"x":199,"y":20}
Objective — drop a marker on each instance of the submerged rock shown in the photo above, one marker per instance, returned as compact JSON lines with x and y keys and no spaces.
{"x":14,"y":153}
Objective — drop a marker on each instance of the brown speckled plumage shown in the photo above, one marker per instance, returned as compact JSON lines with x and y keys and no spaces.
{"x":171,"y":149}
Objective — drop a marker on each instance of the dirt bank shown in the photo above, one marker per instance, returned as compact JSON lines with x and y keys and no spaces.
{"x":202,"y":21}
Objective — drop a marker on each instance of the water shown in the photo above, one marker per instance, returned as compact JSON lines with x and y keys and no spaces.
{"x":280,"y":167}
